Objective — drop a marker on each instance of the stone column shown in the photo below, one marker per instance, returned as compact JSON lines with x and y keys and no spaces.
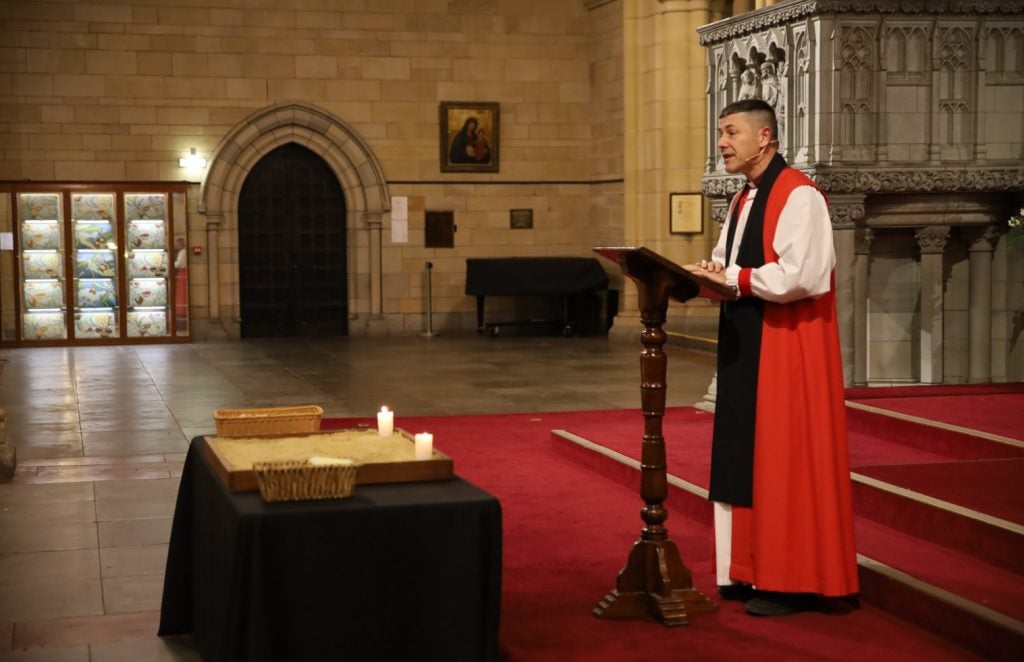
{"x":861,"y":289}
{"x":216,"y":325}
{"x":375,"y":322}
{"x":846,"y":209}
{"x":932,"y":242}
{"x":979,"y":308}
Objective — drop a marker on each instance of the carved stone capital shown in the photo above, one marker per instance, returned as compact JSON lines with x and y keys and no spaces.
{"x":373,"y":219}
{"x":919,"y":180}
{"x":772,"y":16}
{"x":719,"y":209}
{"x":932,"y":239}
{"x":721,"y":186}
{"x":982,"y":239}
{"x":846,"y":210}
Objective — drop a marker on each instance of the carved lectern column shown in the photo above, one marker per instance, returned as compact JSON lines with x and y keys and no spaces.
{"x":654,"y":581}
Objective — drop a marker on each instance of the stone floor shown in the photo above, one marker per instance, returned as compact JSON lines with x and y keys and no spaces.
{"x":101,"y":434}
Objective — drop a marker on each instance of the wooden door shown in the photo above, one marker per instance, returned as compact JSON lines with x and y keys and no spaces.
{"x":291,"y":247}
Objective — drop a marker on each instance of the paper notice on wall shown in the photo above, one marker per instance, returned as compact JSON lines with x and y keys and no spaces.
{"x":6,"y":241}
{"x":399,"y":219}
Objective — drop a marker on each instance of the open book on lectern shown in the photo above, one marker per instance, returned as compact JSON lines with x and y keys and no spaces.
{"x":641,"y":264}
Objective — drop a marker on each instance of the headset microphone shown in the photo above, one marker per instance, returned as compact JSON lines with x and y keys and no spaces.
{"x":760,"y":153}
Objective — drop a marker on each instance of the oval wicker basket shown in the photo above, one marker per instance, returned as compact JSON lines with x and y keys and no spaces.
{"x":262,"y":421}
{"x":298,"y":480}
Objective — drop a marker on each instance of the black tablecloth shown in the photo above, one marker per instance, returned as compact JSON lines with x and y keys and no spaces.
{"x":534,"y":275}
{"x":399,"y":571}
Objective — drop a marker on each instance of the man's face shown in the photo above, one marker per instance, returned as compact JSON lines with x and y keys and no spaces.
{"x":740,"y":141}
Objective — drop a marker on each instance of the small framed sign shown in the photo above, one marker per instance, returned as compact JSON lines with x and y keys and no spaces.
{"x":520,"y":219}
{"x":685,"y":213}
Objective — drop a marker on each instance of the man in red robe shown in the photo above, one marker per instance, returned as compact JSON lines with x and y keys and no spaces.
{"x":780,"y":477}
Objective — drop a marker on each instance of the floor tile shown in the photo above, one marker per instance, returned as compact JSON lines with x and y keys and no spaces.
{"x":132,"y":593}
{"x":23,"y":514}
{"x":49,"y":537}
{"x":140,"y":489}
{"x":135,"y":532}
{"x":76,"y":597}
{"x":100,"y":472}
{"x":74,"y":631}
{"x":12,"y":493}
{"x":133,"y":560}
{"x":72,"y":654}
{"x":169,"y":649}
{"x":57,"y":566}
{"x":128,"y":509}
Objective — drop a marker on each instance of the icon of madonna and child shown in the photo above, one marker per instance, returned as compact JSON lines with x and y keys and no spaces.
{"x":470,"y":135}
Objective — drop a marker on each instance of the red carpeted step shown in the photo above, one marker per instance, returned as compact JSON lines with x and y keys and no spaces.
{"x":991,"y":408}
{"x":954,"y":571}
{"x":973,"y":580}
{"x":864,"y":423}
{"x":688,"y":433}
{"x":974,"y":507}
{"x":992,"y":487}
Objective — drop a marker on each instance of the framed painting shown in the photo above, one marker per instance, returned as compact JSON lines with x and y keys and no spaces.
{"x":469,"y":136}
{"x":685,"y":213}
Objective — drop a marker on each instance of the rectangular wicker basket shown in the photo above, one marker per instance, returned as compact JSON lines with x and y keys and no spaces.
{"x":261,"y":421}
{"x":297,"y":480}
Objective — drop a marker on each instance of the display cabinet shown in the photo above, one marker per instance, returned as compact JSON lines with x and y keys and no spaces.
{"x":146,"y":222}
{"x":99,"y":264}
{"x":95,"y":255}
{"x":41,"y":229}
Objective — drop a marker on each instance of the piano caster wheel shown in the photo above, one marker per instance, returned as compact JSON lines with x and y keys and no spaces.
{"x":568,"y":331}
{"x":495,"y":331}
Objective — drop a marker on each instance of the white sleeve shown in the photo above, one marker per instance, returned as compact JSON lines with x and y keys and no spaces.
{"x":718,"y":252}
{"x":803,"y":241}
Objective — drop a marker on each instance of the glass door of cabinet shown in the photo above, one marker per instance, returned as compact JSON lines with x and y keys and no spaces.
{"x":41,"y":238}
{"x":147,"y":232}
{"x":95,"y":254}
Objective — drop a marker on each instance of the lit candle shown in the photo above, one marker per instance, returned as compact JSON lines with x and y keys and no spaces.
{"x":385,"y":422}
{"x":424,"y":445}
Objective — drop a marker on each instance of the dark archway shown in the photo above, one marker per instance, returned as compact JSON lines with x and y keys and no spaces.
{"x":292,"y":248}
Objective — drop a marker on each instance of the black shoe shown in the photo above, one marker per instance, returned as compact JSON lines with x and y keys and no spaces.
{"x":740,"y":592}
{"x":768,"y":603}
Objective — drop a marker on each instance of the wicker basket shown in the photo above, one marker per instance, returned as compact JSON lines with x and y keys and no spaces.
{"x":298,"y":480}
{"x":257,"y":422}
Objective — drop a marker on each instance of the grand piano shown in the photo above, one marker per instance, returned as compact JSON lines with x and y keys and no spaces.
{"x":572,"y":281}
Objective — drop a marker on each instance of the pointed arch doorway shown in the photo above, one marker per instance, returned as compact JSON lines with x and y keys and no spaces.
{"x":292,"y":247}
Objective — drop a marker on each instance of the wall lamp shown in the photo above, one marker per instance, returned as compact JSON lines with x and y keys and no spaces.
{"x":192,"y":161}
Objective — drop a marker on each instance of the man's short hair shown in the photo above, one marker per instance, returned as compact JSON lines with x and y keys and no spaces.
{"x":754,"y":106}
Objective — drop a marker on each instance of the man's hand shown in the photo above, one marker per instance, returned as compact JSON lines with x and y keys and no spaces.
{"x":709,"y":269}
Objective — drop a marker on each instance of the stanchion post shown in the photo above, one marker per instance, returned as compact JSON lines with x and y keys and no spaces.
{"x":429,"y":333}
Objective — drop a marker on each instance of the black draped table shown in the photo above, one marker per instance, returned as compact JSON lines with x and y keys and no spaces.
{"x":396,"y":571}
{"x":562,"y":277}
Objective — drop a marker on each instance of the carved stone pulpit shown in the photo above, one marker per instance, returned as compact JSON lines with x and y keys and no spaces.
{"x":655,"y":582}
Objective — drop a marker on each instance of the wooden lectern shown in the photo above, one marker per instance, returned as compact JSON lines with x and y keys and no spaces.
{"x":655,"y":581}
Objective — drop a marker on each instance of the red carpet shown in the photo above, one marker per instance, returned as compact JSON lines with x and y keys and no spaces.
{"x":567,"y":532}
{"x":993,"y":408}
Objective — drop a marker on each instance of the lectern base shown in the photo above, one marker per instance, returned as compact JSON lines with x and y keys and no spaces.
{"x":654,"y":583}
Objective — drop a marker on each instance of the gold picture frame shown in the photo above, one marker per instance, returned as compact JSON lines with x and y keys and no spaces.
{"x":469,"y":136}
{"x":685,"y":213}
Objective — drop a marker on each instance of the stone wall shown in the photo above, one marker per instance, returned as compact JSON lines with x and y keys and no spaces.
{"x":100,"y":91}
